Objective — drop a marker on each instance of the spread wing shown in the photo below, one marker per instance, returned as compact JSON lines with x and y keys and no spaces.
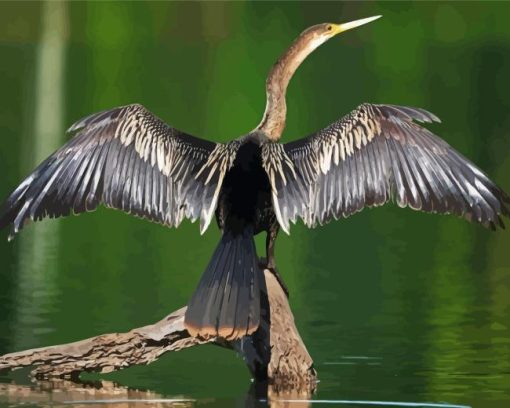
{"x":125,"y":158}
{"x":375,"y":154}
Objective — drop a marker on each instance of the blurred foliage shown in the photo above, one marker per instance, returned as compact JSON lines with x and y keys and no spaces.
{"x":427,"y":296}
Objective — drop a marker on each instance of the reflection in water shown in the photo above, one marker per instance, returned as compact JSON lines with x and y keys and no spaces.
{"x":107,"y":393}
{"x":100,"y":393}
{"x":38,"y":245}
{"x":302,"y":403}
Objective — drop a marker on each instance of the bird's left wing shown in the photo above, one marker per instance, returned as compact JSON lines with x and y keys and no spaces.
{"x":373,"y":155}
{"x":129,"y":159}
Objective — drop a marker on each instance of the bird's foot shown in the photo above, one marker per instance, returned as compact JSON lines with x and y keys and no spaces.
{"x":279,"y":278}
{"x":272,"y":268}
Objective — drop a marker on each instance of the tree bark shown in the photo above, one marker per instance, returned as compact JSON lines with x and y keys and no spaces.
{"x":275,"y":353}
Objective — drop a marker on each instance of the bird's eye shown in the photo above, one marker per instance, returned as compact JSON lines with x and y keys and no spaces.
{"x":329,"y":27}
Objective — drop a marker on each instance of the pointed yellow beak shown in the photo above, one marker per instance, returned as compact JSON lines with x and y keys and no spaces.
{"x":340,"y":28}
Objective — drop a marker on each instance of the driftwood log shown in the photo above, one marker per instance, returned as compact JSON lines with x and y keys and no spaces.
{"x":275,"y":353}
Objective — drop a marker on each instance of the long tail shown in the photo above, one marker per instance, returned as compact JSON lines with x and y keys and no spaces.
{"x":226,"y":302}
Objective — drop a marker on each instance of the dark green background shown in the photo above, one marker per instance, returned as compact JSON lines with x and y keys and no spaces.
{"x":427,"y":297}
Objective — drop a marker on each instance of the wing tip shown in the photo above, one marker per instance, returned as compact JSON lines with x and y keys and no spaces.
{"x":8,"y":215}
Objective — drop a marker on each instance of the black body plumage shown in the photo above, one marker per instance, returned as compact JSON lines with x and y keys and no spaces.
{"x":127,"y":158}
{"x":233,"y":277}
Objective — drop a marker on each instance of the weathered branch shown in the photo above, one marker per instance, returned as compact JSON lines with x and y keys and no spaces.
{"x":275,"y":353}
{"x":107,"y":352}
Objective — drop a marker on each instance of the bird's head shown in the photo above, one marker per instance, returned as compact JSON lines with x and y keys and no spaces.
{"x":318,"y":34}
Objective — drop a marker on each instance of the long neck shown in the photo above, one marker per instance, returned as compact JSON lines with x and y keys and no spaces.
{"x":273,"y":121}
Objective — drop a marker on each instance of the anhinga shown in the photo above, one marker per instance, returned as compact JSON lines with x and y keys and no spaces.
{"x":127,"y":158}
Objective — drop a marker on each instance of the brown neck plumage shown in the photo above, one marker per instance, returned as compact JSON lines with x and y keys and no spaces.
{"x":273,"y":122}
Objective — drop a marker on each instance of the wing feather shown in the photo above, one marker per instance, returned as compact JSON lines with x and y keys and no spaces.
{"x":376,"y":154}
{"x":125,"y":158}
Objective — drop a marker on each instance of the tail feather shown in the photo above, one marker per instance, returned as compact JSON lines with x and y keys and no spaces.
{"x":226,"y":302}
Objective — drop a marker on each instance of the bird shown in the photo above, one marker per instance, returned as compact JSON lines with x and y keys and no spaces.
{"x":128,"y":159}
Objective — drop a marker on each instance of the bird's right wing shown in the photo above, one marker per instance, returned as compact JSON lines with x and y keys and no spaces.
{"x":373,"y":155}
{"x":129,"y":159}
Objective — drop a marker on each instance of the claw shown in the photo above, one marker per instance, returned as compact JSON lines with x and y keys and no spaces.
{"x":263,"y":264}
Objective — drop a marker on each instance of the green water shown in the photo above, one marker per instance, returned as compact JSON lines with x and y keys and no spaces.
{"x":393,"y":305}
